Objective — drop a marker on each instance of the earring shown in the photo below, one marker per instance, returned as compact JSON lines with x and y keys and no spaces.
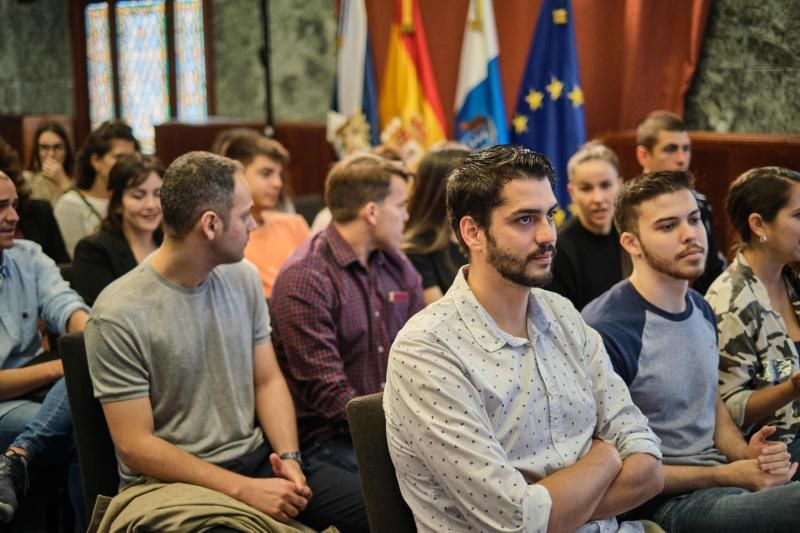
{"x":763,"y":239}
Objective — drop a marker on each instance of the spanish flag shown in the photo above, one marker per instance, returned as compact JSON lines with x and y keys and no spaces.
{"x":409,"y":88}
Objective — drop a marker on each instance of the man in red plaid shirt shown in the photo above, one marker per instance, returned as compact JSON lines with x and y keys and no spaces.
{"x":339,"y":301}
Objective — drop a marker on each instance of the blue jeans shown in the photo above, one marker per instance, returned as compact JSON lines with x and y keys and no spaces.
{"x":44,"y":430}
{"x":732,"y":509}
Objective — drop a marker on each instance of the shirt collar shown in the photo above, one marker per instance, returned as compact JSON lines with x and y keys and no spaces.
{"x":343,"y":253}
{"x":483,"y":327}
{"x":4,"y":269}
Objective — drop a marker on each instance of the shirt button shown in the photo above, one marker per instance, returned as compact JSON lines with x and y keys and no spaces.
{"x":377,"y":314}
{"x":380,"y":349}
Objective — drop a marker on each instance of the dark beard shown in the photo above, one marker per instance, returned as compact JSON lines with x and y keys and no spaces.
{"x":512,"y":267}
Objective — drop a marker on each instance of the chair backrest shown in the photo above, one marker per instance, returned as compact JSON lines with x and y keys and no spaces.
{"x":95,"y":448}
{"x":386,"y":509}
{"x":308,"y":206}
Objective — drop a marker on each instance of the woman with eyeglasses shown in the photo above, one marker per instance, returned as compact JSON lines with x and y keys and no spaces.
{"x":50,"y":169}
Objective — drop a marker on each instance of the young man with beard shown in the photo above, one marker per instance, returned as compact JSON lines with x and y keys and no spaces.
{"x":589,"y":259}
{"x":503,"y":412}
{"x":663,"y":143}
{"x":181,"y":359}
{"x":661,"y":337}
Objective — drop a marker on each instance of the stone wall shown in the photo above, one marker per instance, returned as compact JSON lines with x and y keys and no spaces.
{"x":35,"y":58}
{"x":748,"y":76}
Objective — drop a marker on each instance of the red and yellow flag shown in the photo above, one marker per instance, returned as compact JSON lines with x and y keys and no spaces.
{"x":409,"y":89}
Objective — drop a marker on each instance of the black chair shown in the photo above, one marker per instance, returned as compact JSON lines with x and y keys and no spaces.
{"x":66,"y":272}
{"x":95,"y":447}
{"x":308,"y":206}
{"x":386,"y":510}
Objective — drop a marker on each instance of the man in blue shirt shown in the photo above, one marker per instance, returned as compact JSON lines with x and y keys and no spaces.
{"x":661,"y":338}
{"x":31,"y":287}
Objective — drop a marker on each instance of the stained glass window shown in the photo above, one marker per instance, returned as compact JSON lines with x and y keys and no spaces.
{"x":142,"y":64}
{"x":142,"y":45}
{"x":98,"y":51}
{"x":191,"y":62}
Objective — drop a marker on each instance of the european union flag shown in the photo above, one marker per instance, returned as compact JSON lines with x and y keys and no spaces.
{"x":549,"y":113}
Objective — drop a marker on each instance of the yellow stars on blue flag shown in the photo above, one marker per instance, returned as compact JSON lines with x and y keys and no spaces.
{"x":556,"y":128}
{"x":534,"y":99}
{"x":520,"y":123}
{"x":576,"y":96}
{"x":554,"y":88}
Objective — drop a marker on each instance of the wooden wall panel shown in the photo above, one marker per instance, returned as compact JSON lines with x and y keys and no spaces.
{"x":311,"y":155}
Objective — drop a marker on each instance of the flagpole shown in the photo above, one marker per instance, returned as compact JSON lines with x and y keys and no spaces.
{"x":266,"y":52}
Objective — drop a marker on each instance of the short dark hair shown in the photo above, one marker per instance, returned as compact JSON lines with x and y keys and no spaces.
{"x":642,"y":188}
{"x":99,"y":143}
{"x":475,"y":187}
{"x":357,"y":180}
{"x":129,"y":171}
{"x":655,"y":123}
{"x":193,"y":184}
{"x":10,"y":166}
{"x":764,"y":190}
{"x":224,"y":138}
{"x":245,"y":148}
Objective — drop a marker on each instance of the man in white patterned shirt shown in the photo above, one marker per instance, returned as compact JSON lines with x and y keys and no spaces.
{"x":503,"y":411}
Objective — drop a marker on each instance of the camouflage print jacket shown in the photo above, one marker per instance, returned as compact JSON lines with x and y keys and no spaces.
{"x":755,"y":350}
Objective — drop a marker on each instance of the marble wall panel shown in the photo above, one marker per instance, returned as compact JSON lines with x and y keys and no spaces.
{"x":303,"y":58}
{"x":35,"y":57}
{"x":748,"y":76}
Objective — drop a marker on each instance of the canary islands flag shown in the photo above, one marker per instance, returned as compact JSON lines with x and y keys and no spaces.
{"x":549,"y":114}
{"x":480,"y":109}
{"x":355,"y":89}
{"x":409,"y":90}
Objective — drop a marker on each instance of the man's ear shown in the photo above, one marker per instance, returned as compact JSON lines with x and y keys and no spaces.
{"x":370,"y":213}
{"x":642,"y":156}
{"x":473,"y":235}
{"x":630,"y":243}
{"x":211,"y":225}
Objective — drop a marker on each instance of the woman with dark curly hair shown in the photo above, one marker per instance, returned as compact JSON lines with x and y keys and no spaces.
{"x":131,"y":230}
{"x":81,"y":210}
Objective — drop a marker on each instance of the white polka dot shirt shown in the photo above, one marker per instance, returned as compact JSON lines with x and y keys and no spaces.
{"x":476,"y":417}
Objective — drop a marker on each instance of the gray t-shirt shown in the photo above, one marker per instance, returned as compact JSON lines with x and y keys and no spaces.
{"x":669,"y":362}
{"x":189,"y":350}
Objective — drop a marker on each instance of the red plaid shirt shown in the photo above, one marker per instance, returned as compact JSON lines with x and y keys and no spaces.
{"x":333,"y":322}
